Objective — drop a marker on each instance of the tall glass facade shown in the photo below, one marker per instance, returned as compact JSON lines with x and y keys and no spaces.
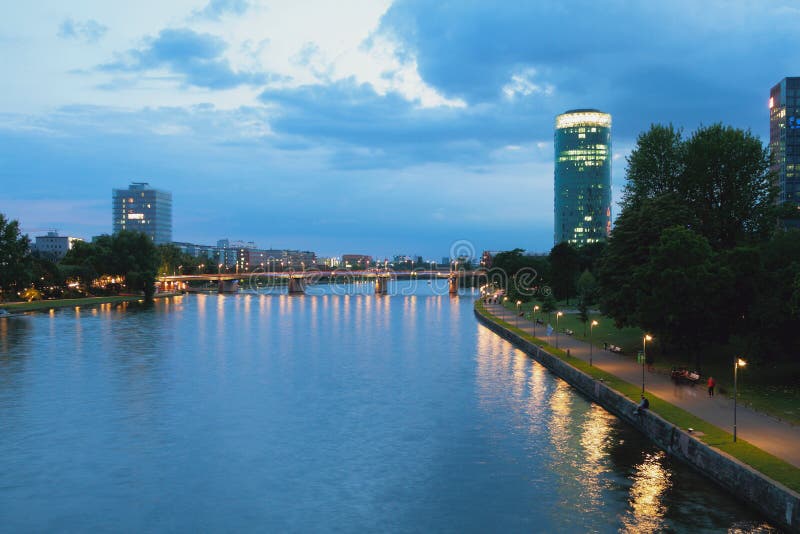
{"x":143,"y":209}
{"x":582,"y":177}
{"x":784,"y":138}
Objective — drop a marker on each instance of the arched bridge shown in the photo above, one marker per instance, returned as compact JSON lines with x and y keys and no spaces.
{"x":297,"y":281}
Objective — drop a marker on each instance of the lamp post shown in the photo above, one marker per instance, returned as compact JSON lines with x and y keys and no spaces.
{"x":505,"y":299}
{"x":558,"y":314}
{"x":737,"y":362}
{"x":519,"y":303}
{"x":645,"y":339}
{"x":591,"y":343}
{"x":535,"y":309}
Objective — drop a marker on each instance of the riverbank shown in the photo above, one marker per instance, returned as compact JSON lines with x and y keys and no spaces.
{"x":766,"y":482}
{"x":39,"y":305}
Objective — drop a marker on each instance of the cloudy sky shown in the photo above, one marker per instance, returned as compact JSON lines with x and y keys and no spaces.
{"x":356,"y":126}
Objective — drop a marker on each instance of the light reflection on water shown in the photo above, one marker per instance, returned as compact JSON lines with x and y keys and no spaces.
{"x":330,"y":412}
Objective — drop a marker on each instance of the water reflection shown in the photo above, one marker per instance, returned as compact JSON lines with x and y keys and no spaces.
{"x":651,"y":481}
{"x":341,"y":412}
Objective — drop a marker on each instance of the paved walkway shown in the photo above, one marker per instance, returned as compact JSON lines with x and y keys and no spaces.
{"x":768,"y":434}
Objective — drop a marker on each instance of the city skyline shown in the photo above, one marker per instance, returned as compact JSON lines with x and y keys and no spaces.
{"x":363,"y":128}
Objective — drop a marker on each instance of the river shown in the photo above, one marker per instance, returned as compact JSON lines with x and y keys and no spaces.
{"x":325,"y":412}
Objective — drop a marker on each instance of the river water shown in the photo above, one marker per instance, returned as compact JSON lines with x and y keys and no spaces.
{"x":327,"y":412}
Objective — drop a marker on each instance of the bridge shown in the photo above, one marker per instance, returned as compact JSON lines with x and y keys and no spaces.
{"x":297,"y":281}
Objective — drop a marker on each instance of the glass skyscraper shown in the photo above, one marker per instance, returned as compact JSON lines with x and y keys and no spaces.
{"x":784,"y":138}
{"x":143,"y":209}
{"x":582,"y":177}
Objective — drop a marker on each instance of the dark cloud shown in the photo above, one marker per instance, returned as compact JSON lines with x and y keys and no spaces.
{"x":215,"y":9}
{"x":196,"y":57}
{"x":685,"y":62}
{"x":89,"y":31}
{"x":371,"y":130}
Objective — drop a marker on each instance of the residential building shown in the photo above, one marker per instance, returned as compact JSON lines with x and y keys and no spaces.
{"x":143,"y":209}
{"x":53,"y":246}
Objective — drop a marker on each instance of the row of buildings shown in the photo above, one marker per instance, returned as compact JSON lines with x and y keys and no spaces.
{"x":582,"y":203}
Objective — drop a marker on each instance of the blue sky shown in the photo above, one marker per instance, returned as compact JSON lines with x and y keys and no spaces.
{"x":373,"y":127}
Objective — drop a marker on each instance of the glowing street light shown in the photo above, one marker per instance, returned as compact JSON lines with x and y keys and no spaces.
{"x":591,"y":326}
{"x":535,"y":309}
{"x":519,"y":303}
{"x":505,"y":299}
{"x":737,"y":362}
{"x":645,"y":339}
{"x":558,"y":314}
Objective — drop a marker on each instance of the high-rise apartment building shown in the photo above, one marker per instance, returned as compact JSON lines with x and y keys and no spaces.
{"x":582,"y":177}
{"x":143,"y":209}
{"x":784,"y":138}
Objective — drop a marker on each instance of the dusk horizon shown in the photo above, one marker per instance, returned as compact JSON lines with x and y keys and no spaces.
{"x":357,"y":129}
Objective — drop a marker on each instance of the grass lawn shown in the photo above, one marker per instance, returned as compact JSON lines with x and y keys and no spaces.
{"x":762,"y":461}
{"x":773,"y":389}
{"x":63,"y":303}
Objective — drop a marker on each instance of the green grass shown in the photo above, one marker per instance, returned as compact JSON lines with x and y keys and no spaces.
{"x":65,"y":303}
{"x":771,"y":389}
{"x":762,"y":461}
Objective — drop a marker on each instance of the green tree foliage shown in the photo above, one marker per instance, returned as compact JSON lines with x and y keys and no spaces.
{"x":694,"y":256}
{"x":564,"y":270}
{"x":682,"y":279}
{"x":129,"y":254}
{"x":727,"y":185}
{"x":655,"y":166}
{"x":587,"y":288}
{"x":175,"y":261}
{"x":548,"y":304}
{"x":635,"y":231}
{"x":16,"y":270}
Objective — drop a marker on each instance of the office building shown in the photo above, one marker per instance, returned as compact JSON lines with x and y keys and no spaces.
{"x":582,"y":177}
{"x":143,"y":209}
{"x":784,"y":140}
{"x":53,"y":246}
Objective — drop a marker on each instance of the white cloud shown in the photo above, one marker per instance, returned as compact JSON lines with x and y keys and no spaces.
{"x":522,"y":84}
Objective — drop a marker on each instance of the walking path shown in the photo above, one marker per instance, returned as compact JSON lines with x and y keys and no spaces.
{"x":768,"y":434}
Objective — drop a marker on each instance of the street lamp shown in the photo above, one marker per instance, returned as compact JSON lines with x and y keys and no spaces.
{"x":645,"y":339}
{"x":558,"y":314}
{"x":737,"y":362}
{"x":519,"y":303}
{"x":505,"y":299}
{"x":535,"y":309}
{"x":591,"y":326}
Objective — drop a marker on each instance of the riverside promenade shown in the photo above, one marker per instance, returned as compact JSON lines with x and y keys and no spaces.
{"x":767,"y":433}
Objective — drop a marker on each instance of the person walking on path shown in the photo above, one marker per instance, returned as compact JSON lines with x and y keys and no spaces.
{"x":711,"y":384}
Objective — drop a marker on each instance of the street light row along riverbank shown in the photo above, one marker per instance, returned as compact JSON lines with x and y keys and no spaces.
{"x":765,"y":482}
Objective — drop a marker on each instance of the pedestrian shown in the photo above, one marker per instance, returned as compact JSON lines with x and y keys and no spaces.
{"x":642,"y":406}
{"x":711,"y":384}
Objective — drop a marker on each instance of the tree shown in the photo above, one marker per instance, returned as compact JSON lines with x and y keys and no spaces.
{"x":15,"y":259}
{"x":587,"y":288}
{"x":129,"y":254}
{"x":564,"y":269}
{"x":583,"y":312}
{"x":548,"y":304}
{"x":727,"y":184}
{"x":636,"y":230}
{"x":655,"y":166}
{"x":682,"y":281}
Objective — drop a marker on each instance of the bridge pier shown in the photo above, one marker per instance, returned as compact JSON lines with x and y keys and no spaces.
{"x":228,"y":286}
{"x":453,"y":284}
{"x":297,"y":285}
{"x":382,"y":284}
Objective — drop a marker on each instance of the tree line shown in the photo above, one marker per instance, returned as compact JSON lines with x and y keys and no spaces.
{"x":700,"y":254}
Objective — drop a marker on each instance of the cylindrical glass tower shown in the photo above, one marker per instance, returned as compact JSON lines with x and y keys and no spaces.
{"x":582,"y":177}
